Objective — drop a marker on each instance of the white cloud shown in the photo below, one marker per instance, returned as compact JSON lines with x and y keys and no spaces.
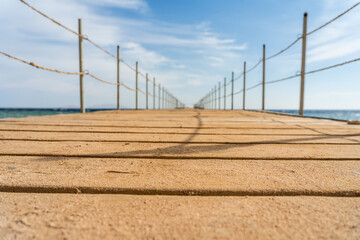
{"x":340,"y":38}
{"x":334,"y":50}
{"x":34,"y":38}
{"x":150,"y":59}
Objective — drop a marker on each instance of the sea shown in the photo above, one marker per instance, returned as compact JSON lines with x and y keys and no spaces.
{"x":331,"y":114}
{"x":25,"y":112}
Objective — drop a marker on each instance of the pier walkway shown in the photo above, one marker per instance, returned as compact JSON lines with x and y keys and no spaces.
{"x":179,"y":174}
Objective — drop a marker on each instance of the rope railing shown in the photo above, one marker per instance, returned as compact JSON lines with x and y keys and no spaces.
{"x":251,"y":69}
{"x":284,"y":50}
{"x":229,"y":82}
{"x":299,"y":38}
{"x":84,"y":37}
{"x":238,"y":92}
{"x":238,"y":77}
{"x":334,"y":19}
{"x":85,"y":73}
{"x":64,"y":72}
{"x":166,"y":96}
{"x":293,"y":76}
{"x":157,"y":97}
{"x":210,"y":100}
{"x":313,"y":31}
{"x":314,"y":71}
{"x":40,"y":67}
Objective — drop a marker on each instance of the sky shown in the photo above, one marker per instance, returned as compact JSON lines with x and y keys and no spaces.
{"x":189,"y":46}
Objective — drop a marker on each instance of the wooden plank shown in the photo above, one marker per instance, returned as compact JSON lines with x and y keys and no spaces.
{"x":287,"y":131}
{"x":59,"y":216}
{"x":184,"y":138}
{"x":217,"y":177}
{"x":173,"y":150}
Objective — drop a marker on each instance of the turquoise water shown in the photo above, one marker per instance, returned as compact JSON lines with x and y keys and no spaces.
{"x":18,"y":113}
{"x":333,"y":114}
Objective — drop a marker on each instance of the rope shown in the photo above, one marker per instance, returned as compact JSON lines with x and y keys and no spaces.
{"x":238,"y":77}
{"x":298,"y":75}
{"x":40,"y":67}
{"x":315,"y":71}
{"x":32,"y":64}
{"x":238,"y":92}
{"x":283,"y":79}
{"x":292,"y":44}
{"x":83,"y":37}
{"x":229,"y":82}
{"x":255,"y":86}
{"x":251,"y":69}
{"x":334,"y":66}
{"x":150,"y":95}
{"x":69,"y":73}
{"x":313,"y":31}
{"x":255,"y":66}
{"x":334,"y":19}
{"x":285,"y":49}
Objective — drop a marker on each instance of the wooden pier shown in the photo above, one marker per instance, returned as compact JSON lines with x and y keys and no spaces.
{"x":179,"y":174}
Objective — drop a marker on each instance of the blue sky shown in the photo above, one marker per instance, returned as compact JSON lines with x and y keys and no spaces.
{"x":188,"y":45}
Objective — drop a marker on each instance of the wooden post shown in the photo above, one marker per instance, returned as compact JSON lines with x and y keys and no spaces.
{"x":232,"y":91}
{"x":206,"y":102}
{"x":137,"y":89}
{"x":263,"y":79}
{"x":210,"y":99}
{"x":118,"y":79}
{"x":224,"y":93}
{"x":159,"y":94}
{"x":147,"y":91}
{"x":303,"y":62}
{"x":219,"y":95}
{"x":163,"y":98}
{"x":82,"y":103}
{"x":215,"y":99}
{"x":154,"y":93}
{"x":244,"y":87}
